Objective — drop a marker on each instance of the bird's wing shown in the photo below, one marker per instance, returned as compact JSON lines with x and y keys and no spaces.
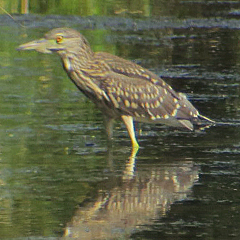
{"x":143,"y":88}
{"x":144,"y":99}
{"x":131,"y":69}
{"x":133,"y":95}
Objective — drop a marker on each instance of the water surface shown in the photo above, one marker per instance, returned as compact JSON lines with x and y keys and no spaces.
{"x":58,"y":177}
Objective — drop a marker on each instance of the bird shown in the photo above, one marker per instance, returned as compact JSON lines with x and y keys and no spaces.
{"x":120,"y":88}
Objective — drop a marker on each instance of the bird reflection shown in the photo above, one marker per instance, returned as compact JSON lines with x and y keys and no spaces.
{"x":142,"y":195}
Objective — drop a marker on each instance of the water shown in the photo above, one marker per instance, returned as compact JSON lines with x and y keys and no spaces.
{"x":58,"y":178}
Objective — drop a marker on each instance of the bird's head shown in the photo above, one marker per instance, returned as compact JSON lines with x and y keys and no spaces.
{"x":57,"y":40}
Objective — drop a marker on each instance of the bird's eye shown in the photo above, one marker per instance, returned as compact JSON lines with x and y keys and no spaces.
{"x":59,"y":39}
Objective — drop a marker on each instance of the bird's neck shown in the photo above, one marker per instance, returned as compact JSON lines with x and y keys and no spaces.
{"x":76,"y":59}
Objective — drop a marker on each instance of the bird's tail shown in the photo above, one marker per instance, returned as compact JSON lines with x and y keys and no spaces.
{"x":204,"y":122}
{"x":206,"y":119}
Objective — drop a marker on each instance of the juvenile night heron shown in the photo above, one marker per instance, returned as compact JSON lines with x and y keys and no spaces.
{"x":120,"y":88}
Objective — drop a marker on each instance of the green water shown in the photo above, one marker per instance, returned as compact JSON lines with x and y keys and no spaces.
{"x":57,"y":174}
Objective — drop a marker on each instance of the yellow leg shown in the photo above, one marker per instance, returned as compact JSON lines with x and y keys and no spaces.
{"x":128,"y":120}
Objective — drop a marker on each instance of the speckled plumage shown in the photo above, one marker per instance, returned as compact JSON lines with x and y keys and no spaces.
{"x":120,"y":88}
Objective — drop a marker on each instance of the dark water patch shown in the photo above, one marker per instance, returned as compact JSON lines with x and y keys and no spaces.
{"x":210,"y":8}
{"x":53,"y":150}
{"x":203,"y":214}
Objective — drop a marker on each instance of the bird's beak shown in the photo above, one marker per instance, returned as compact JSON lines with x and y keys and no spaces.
{"x":40,"y":45}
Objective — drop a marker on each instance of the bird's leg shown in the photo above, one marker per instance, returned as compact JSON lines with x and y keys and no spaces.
{"x":128,"y":120}
{"x":108,"y":122}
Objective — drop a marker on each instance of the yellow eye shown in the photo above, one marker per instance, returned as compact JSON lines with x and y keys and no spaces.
{"x":59,"y":39}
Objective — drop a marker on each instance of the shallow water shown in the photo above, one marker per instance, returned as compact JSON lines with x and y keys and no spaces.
{"x":58,"y":177}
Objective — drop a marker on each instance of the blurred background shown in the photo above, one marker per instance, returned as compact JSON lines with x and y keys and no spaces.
{"x":58,"y":178}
